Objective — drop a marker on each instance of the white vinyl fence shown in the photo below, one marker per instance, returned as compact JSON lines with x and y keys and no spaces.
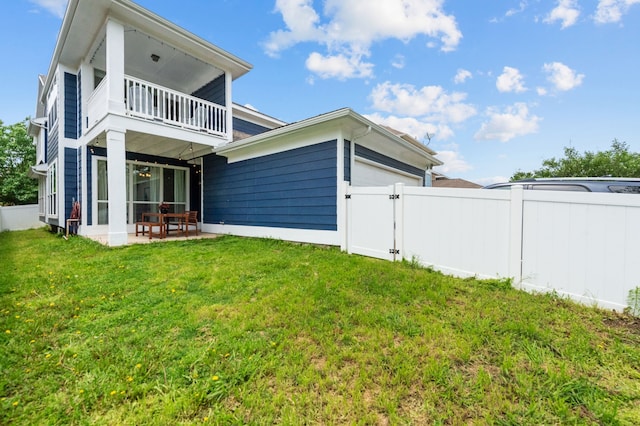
{"x":16,"y":218}
{"x":582,"y":245}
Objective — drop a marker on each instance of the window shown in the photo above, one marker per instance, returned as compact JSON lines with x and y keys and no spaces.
{"x":52,"y":191}
{"x":102,"y":193}
{"x":147,"y":186}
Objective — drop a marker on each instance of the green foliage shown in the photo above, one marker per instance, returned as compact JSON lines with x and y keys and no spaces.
{"x":633,"y":301}
{"x":255,"y":331}
{"x":616,"y":161}
{"x":17,"y":155}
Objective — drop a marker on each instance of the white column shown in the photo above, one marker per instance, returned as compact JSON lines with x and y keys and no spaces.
{"x":229,"y":104}
{"x":117,"y":187}
{"x":86,"y":88}
{"x":115,"y":66}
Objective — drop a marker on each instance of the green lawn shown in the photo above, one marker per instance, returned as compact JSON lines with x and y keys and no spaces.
{"x":254,"y":331}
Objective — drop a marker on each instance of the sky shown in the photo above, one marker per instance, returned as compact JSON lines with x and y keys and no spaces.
{"x":492,"y":86}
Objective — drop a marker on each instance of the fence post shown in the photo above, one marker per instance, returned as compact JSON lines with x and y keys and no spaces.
{"x":348,"y":217}
{"x":515,"y":234}
{"x":342,"y":218}
{"x":398,"y":221}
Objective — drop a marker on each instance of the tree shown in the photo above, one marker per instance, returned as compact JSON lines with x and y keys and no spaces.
{"x":17,"y":155}
{"x":616,"y":161}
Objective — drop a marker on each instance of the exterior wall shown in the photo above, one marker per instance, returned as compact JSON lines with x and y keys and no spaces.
{"x":214,"y":91}
{"x":248,"y":127}
{"x":52,"y":143}
{"x":70,"y":106}
{"x":369,"y":154}
{"x":289,"y":189}
{"x":347,"y":161}
{"x":70,"y":173}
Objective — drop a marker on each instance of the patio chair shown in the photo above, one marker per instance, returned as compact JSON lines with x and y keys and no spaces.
{"x":191,"y":220}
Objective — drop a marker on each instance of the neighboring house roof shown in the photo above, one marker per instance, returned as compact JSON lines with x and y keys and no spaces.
{"x":354,"y":127}
{"x":454,"y":183}
{"x":82,"y":17}
{"x":441,"y":181}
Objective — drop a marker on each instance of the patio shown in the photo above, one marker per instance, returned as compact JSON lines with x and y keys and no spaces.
{"x":144,"y":239}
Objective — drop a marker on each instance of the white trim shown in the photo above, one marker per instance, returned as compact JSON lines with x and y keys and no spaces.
{"x":289,"y":234}
{"x":359,"y":159}
{"x":308,"y":137}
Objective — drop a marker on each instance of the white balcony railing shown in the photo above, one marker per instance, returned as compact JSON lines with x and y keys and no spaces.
{"x":147,"y":100}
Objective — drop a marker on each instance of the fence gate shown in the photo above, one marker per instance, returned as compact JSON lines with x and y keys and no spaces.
{"x":371,"y":222}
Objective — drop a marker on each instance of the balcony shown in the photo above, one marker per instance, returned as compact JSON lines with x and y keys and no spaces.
{"x":154,"y":102}
{"x":161,"y":105}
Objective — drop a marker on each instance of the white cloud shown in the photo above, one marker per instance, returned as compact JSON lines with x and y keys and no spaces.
{"x":348,"y":28}
{"x":453,"y":161}
{"x":504,"y":126}
{"x":562,"y":77}
{"x":610,"y":11}
{"x":430,"y":102}
{"x":521,"y":7}
{"x":412,"y":126}
{"x":398,"y":62}
{"x":338,"y":66}
{"x":56,"y":7}
{"x":510,"y":81}
{"x":566,"y":11}
{"x":461,"y":76}
{"x":541,"y":91}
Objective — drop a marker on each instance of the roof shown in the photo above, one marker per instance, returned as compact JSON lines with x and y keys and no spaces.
{"x":454,"y":183}
{"x":354,"y":127}
{"x":408,"y":138}
{"x":83,"y":17}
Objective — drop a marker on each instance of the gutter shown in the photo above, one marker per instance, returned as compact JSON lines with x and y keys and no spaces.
{"x":320,"y":119}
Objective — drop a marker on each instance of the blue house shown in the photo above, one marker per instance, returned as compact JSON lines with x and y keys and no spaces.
{"x":134,"y":111}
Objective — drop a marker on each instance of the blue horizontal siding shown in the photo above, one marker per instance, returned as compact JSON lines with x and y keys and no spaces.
{"x":70,"y":180}
{"x":213,"y":91}
{"x":52,"y":144}
{"x":247,"y":127}
{"x":369,"y":154}
{"x":70,"y":106}
{"x":289,"y":189}
{"x":347,"y":161}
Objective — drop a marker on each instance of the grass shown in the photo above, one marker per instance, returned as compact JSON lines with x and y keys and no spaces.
{"x":256,"y":331}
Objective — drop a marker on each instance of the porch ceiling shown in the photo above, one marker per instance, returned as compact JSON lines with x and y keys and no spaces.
{"x":162,"y":146}
{"x":173,"y":69}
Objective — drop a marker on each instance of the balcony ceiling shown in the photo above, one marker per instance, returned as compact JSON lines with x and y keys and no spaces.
{"x":83,"y":29}
{"x":174,"y":69}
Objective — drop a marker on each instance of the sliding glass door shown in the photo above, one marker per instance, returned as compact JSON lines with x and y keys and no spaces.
{"x":148,"y":185}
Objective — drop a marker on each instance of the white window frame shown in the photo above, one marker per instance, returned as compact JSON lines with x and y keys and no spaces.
{"x":52,"y":189}
{"x":130,"y":183}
